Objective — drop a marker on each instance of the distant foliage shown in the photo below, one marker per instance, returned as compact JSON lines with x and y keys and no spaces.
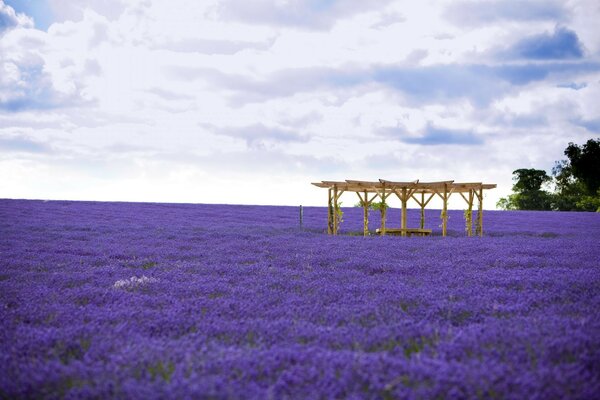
{"x":374,"y":205}
{"x":528,"y":193}
{"x":379,"y":206}
{"x":340,"y":214}
{"x":578,"y":179}
{"x":576,"y":183}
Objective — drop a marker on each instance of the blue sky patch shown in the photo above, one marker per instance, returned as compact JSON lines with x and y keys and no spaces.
{"x":39,"y":10}
{"x":433,"y":136}
{"x":572,"y":85}
{"x":563,"y":44}
{"x":592,"y":125}
{"x":474,"y":13}
{"x":22,"y":144}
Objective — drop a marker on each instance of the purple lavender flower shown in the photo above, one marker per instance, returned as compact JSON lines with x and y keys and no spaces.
{"x":104,"y":300}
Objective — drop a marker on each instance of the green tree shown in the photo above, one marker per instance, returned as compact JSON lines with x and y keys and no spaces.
{"x":507,"y":203}
{"x":585,"y":164}
{"x":528,"y":193}
{"x":577,"y":179}
{"x":568,"y":190}
{"x":576,"y":183}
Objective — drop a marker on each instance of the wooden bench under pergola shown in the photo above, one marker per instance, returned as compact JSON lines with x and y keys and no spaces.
{"x":421,"y":192}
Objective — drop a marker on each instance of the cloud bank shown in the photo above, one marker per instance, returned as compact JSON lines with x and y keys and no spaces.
{"x":157,"y":101}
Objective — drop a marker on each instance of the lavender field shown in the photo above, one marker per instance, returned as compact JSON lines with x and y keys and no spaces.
{"x":125,"y":300}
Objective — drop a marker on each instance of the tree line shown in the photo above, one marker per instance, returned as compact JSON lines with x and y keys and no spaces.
{"x":573,"y":186}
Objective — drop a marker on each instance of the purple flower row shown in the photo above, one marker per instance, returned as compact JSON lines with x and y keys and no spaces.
{"x":182,"y":301}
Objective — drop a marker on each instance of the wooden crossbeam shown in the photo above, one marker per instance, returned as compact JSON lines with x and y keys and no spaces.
{"x":422,"y":202}
{"x":383,"y":194}
{"x":446,"y":194}
{"x":334,"y":183}
{"x":364,"y":184}
{"x":410,"y":193}
{"x":399,"y":185}
{"x":407,"y":231}
{"x":432,"y":185}
{"x":360,"y":197}
{"x":417,"y":200}
{"x":429,"y":199}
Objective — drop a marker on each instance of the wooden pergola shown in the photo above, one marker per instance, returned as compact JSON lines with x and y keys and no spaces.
{"x":421,"y":192}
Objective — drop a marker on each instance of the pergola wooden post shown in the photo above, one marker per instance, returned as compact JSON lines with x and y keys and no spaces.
{"x":422,"y":204}
{"x":404,"y":207}
{"x":383,"y":195}
{"x":406,"y":194}
{"x":445,"y":211}
{"x":445,"y":196}
{"x":365,"y":204}
{"x":330,"y":212}
{"x":469,"y":212}
{"x":479,"y":228}
{"x":335,"y":209}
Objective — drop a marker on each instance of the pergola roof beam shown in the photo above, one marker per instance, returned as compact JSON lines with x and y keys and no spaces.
{"x":419,"y":187}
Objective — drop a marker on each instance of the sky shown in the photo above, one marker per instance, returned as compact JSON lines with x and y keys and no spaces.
{"x":248,"y":102}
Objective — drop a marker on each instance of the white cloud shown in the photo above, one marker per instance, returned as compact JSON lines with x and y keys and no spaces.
{"x":157,"y":101}
{"x":480,"y":13}
{"x":312,"y":14}
{"x":9,"y":19}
